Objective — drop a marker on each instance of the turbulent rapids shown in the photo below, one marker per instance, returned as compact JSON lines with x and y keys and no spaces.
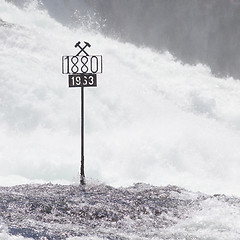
{"x":140,"y":212}
{"x":152,"y":119}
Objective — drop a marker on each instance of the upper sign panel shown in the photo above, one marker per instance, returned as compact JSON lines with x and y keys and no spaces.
{"x":82,"y":64}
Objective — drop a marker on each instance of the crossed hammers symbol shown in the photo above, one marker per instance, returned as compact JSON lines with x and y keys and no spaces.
{"x":82,"y":48}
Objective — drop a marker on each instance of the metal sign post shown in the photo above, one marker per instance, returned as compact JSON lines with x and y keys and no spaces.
{"x":82,"y":72}
{"x":82,"y":174}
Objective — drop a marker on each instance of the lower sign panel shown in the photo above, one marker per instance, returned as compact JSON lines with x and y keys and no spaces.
{"x":82,"y":80}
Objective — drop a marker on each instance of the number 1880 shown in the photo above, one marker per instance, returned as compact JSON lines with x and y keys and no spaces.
{"x":82,"y":64}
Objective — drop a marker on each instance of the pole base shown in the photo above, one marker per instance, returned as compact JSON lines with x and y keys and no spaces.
{"x":82,"y":180}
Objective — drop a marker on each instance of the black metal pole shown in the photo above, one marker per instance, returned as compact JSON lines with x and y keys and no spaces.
{"x":82,"y":177}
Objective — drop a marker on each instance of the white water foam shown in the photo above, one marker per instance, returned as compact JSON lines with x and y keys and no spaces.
{"x":151,"y":119}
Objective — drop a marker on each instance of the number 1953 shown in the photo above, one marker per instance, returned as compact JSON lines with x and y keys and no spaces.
{"x":82,"y":80}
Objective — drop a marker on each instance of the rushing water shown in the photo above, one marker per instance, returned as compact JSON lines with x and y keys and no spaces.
{"x":102,"y":212}
{"x":151,"y":119}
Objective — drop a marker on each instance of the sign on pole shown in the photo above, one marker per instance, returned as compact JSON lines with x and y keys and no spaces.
{"x":82,"y":70}
{"x":82,"y":80}
{"x":82,"y":64}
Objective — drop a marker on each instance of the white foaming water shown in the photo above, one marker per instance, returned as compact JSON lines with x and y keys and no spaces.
{"x":151,"y":119}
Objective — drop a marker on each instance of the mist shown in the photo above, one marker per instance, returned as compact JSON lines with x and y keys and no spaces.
{"x":152,"y":118}
{"x":194,"y":31}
